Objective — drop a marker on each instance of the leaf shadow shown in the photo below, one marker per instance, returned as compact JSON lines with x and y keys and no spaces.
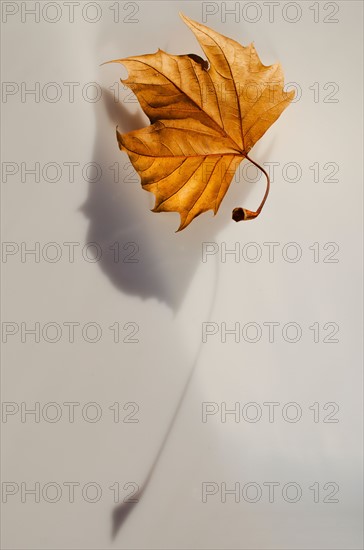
{"x":117,"y":212}
{"x":160,"y":263}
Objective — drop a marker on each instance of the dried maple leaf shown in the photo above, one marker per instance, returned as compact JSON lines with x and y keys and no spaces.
{"x":205,"y":118}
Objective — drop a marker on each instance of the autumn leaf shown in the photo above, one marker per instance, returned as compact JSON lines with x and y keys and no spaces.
{"x":205,"y":117}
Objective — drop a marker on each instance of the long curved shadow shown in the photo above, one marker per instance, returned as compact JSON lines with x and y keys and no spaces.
{"x":117,"y":209}
{"x":122,"y":511}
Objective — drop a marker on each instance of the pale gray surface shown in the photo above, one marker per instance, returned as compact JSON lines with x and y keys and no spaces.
{"x":170,"y":292}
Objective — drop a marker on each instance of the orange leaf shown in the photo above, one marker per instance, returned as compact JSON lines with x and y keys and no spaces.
{"x":205,"y":118}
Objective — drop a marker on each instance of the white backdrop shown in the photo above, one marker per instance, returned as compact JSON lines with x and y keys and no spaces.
{"x":104,"y":397}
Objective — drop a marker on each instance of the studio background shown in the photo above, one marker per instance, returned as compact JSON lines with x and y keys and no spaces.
{"x":157,"y":289}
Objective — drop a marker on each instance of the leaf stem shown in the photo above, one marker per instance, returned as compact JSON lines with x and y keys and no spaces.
{"x":239,"y":213}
